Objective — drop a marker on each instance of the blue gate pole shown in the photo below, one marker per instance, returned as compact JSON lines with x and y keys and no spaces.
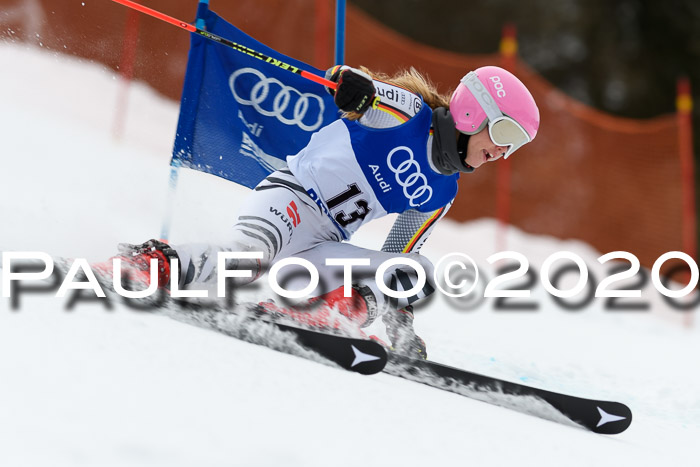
{"x":175,"y":164}
{"x":201,"y":9}
{"x":339,"y":32}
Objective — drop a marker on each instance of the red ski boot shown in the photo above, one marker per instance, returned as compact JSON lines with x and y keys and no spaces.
{"x":330,"y":311}
{"x":136,"y":263}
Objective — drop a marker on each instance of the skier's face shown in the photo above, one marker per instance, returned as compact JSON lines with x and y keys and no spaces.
{"x":481,"y":149}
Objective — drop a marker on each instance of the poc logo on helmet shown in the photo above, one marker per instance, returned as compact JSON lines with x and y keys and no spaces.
{"x":496,"y":80}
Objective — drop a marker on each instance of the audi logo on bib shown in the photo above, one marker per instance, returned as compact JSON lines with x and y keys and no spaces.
{"x":272,"y":98}
{"x":408,"y":175}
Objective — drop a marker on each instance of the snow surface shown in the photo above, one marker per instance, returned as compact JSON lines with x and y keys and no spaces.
{"x":93,"y":386}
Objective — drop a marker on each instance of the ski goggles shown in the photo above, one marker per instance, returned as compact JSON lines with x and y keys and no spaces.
{"x":503,"y":130}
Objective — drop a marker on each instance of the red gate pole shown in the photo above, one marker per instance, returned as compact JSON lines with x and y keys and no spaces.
{"x":126,"y":72}
{"x":684,"y":108}
{"x":508,"y":50}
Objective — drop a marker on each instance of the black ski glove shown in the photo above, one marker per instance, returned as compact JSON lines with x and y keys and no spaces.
{"x":404,"y":340}
{"x":355,"y":91}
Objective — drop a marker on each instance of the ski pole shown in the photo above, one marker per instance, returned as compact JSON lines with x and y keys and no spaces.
{"x":228,"y":43}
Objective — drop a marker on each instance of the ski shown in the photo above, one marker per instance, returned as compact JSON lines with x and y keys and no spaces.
{"x":364,"y":356}
{"x":602,"y":417}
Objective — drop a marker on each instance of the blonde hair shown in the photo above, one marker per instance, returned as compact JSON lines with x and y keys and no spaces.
{"x":411,"y":80}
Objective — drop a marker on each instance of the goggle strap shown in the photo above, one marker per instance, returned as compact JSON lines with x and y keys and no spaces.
{"x":482,"y":96}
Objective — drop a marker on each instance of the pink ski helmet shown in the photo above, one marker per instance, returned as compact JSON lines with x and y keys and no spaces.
{"x":495,"y":97}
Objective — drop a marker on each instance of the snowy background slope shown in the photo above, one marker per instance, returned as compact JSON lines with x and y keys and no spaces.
{"x":93,"y":386}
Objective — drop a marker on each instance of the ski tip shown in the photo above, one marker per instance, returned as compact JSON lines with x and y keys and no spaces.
{"x":612,"y":418}
{"x":368,"y":360}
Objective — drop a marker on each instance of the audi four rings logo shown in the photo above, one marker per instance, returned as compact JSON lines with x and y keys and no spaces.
{"x":414,"y":183}
{"x":280,"y":104}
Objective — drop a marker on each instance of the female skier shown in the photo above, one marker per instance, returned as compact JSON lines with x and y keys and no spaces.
{"x":399,"y":148}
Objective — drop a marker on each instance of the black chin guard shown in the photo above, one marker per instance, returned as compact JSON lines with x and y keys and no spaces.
{"x":447,"y":158}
